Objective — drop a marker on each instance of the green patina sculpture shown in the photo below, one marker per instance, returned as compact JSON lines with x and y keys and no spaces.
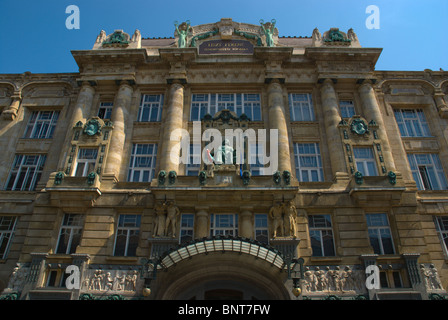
{"x":162,"y":177}
{"x":91,"y":178}
{"x":392,"y":177}
{"x":202,"y":177}
{"x":118,"y":37}
{"x":358,"y":177}
{"x":58,"y":178}
{"x":203,"y":36}
{"x":336,"y":36}
{"x":245,"y":177}
{"x":172,"y":175}
{"x":268,"y":29}
{"x":287,"y":177}
{"x":359,"y":127}
{"x":277,"y":177}
{"x":182,"y":33}
{"x":249,"y":36}
{"x":92,"y":127}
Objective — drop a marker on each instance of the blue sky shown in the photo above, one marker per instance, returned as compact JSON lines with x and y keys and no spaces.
{"x":413,"y":34}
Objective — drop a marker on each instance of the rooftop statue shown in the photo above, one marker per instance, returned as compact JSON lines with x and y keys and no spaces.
{"x":182,"y":32}
{"x":268,"y":29}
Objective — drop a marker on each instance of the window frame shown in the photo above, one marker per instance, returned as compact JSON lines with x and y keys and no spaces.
{"x":407,"y":124}
{"x":192,"y":168}
{"x":438,"y":172}
{"x":35,"y":126}
{"x":263,"y":229}
{"x":233,"y":231}
{"x":296,"y":104}
{"x":107,"y":106}
{"x":186,"y":230}
{"x":442,"y":232}
{"x":318,"y":159}
{"x":146,"y":102}
{"x":19,"y":164}
{"x":344,"y":106}
{"x":365,"y":161}
{"x":132,"y":169}
{"x":85,"y":162}
{"x":8,"y":234}
{"x":73,"y":228}
{"x":319,"y":229}
{"x":240,"y":103}
{"x":128,"y":229}
{"x":377,"y":230}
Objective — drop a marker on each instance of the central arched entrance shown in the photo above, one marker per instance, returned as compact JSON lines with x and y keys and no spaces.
{"x":221,"y":274}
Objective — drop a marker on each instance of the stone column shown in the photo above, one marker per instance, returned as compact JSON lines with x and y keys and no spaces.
{"x":173,"y":120}
{"x":277,"y":120}
{"x":246,"y":229}
{"x":120,"y":111}
{"x":201,"y":223}
{"x":332,"y":119}
{"x":83,"y":104}
{"x":372,"y":112}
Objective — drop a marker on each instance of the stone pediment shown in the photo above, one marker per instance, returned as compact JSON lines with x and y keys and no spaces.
{"x":224,"y":30}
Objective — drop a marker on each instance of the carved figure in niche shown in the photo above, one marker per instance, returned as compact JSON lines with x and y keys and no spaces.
{"x":268,"y":30}
{"x":289,"y":219}
{"x":347,"y":279}
{"x":130,"y":281}
{"x":310,"y":280}
{"x":120,"y":282}
{"x":173,"y":213}
{"x":431,"y":276}
{"x":17,"y":279}
{"x":276,"y":213}
{"x":96,"y":280}
{"x":182,"y":31}
{"x":160,"y":220}
{"x":225,"y":153}
{"x":321,"y":279}
{"x":108,"y":282}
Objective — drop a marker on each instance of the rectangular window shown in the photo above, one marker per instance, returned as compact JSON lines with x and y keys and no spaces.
{"x":412,"y":123}
{"x":194,"y":160}
{"x":308,"y":162}
{"x":347,"y":108}
{"x":321,"y":235}
{"x":41,"y":124}
{"x":143,"y":162}
{"x":26,"y":172}
{"x":427,"y":171}
{"x":442,"y":229}
{"x":105,"y":110}
{"x":240,"y":103}
{"x":301,"y":107}
{"x":365,"y":161}
{"x":7,"y":227}
{"x":85,"y":162}
{"x":126,"y":239}
{"x":379,"y":233}
{"x":186,"y":228}
{"x":256,"y":159}
{"x":70,"y":233}
{"x":150,"y":109}
{"x":261,"y":228}
{"x":224,"y":224}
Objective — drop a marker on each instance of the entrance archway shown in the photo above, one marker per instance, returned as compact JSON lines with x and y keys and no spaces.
{"x":219,"y":275}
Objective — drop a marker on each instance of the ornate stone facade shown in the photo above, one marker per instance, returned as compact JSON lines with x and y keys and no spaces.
{"x":93,"y":177}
